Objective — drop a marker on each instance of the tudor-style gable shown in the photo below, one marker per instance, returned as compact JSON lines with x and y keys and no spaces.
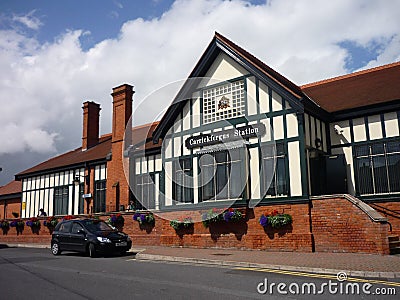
{"x":223,"y":68}
{"x":224,"y":60}
{"x":231,"y":93}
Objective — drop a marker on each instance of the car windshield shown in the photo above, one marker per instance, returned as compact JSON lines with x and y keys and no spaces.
{"x":95,"y":225}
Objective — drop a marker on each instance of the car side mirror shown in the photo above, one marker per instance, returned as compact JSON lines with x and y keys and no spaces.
{"x":81,"y":231}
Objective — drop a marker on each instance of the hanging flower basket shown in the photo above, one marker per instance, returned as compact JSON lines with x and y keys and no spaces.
{"x":50,"y":222}
{"x":216,"y":215}
{"x":17,"y":223}
{"x":144,"y":218}
{"x":275,"y":220}
{"x":182,"y":223}
{"x":232,"y":215}
{"x":33,"y":222}
{"x":4,"y":224}
{"x":212,"y":216}
{"x":116,"y":220}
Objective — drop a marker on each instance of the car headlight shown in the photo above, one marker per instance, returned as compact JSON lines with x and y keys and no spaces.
{"x":128,"y":239}
{"x":103,"y":239}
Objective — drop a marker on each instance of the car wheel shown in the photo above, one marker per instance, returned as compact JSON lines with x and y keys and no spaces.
{"x":55,"y":249}
{"x":92,"y":250}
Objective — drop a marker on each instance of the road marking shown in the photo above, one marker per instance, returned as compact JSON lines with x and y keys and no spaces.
{"x":322,"y":276}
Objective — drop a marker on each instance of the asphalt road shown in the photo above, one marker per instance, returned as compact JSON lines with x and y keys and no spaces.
{"x":36,"y":274}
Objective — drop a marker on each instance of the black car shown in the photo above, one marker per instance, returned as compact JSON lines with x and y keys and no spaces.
{"x":89,"y":236}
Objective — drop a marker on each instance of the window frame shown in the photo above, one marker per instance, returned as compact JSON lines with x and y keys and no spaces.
{"x":63,"y":198}
{"x":100,"y":196}
{"x":236,"y":92}
{"x":183,"y":168}
{"x":368,"y":183}
{"x":226,"y":167}
{"x":276,"y":189}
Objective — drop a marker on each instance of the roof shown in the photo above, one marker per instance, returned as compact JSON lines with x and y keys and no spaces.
{"x":245,"y":59}
{"x":266,"y":70}
{"x":364,"y":88}
{"x":13,"y":187}
{"x":74,"y":157}
{"x":138,"y":144}
{"x":96,"y":153}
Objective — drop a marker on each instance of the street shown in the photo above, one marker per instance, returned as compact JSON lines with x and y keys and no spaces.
{"x":37,"y":274}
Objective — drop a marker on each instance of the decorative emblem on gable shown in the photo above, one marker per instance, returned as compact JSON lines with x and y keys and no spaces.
{"x":223,"y":102}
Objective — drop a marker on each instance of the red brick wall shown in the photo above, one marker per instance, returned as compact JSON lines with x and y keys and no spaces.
{"x":11,"y":236}
{"x":117,"y":185}
{"x":340,"y":226}
{"x":390,"y":210}
{"x":12,"y":205}
{"x":91,"y":115}
{"x":248,"y":234}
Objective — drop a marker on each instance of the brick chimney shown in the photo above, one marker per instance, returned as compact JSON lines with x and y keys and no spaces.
{"x":91,"y":116}
{"x":117,"y":185}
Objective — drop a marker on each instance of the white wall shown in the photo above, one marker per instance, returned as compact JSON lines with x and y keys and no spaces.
{"x":38,"y":191}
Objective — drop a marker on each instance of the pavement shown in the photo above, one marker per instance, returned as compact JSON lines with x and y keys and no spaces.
{"x":353,"y":264}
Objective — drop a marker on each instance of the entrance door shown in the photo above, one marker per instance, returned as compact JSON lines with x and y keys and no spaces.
{"x":336,"y":175}
{"x":327,"y":174}
{"x":317,"y":171}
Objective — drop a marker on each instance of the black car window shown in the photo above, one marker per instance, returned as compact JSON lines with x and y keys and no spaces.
{"x":65,"y":227}
{"x":76,"y":227}
{"x":95,"y":225}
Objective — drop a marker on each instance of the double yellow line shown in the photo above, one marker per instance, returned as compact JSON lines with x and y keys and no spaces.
{"x":323,"y":276}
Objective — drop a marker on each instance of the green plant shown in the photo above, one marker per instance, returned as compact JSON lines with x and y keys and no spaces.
{"x":232,"y":215}
{"x":181,"y":223}
{"x":213,"y":215}
{"x":144,"y":218}
{"x":275,"y":220}
{"x":50,"y":222}
{"x":17,"y":223}
{"x":116,"y":219}
{"x":33,"y":222}
{"x":280,"y":220}
{"x":4,"y":224}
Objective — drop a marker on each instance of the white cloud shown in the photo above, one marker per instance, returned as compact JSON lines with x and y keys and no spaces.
{"x":42,"y":86}
{"x":118,"y":4}
{"x":29,"y":20}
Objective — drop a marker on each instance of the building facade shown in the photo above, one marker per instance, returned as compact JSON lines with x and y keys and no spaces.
{"x":239,"y":134}
{"x":244,"y":134}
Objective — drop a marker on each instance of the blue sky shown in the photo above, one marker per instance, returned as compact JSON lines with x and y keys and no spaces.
{"x":54,"y":55}
{"x":103,"y":18}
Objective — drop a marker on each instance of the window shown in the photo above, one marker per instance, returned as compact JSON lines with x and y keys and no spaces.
{"x":76,"y":227}
{"x":65,"y":227}
{"x":223,"y":176}
{"x":377,"y":167}
{"x":99,"y":204}
{"x":61,"y":196}
{"x":224,"y":102}
{"x":145,"y":191}
{"x":81,"y":202}
{"x":183,"y":181}
{"x":278,"y":185}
